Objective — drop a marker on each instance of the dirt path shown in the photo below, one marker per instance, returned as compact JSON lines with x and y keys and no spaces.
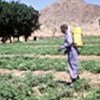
{"x":59,"y":75}
{"x":55,"y":45}
{"x":83,"y":58}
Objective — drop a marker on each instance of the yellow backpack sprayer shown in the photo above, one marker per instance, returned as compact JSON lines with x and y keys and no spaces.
{"x":77,"y":35}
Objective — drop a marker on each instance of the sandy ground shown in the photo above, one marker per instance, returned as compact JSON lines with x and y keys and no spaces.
{"x":81,"y":57}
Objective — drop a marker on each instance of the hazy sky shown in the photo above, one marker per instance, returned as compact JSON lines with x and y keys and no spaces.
{"x":40,"y":4}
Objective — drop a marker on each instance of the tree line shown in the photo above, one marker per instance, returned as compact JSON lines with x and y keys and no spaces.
{"x":17,"y":19}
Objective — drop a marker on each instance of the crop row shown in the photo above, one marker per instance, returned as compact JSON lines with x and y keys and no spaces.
{"x":26,"y":87}
{"x":22,"y":48}
{"x":26,"y":63}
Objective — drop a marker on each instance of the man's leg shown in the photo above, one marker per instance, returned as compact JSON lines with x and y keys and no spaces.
{"x":73,"y":64}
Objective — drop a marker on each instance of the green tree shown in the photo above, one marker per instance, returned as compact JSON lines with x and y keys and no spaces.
{"x":17,"y":19}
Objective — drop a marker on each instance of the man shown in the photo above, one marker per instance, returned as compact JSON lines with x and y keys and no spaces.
{"x":72,"y":52}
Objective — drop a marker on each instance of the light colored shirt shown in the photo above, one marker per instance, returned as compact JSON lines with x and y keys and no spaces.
{"x":68,"y":39}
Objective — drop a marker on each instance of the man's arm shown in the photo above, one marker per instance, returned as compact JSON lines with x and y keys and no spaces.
{"x":68,"y":41}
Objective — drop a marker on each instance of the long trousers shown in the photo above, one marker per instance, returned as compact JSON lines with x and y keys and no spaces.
{"x":73,"y":62}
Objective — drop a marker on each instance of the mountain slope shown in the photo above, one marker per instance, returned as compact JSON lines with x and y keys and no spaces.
{"x":69,"y":11}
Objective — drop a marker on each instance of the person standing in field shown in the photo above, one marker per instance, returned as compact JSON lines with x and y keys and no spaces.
{"x":72,"y":52}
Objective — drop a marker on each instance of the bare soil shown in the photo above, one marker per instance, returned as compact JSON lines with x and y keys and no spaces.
{"x":81,"y":57}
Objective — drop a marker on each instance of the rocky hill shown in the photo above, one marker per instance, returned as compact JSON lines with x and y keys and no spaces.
{"x":69,"y":11}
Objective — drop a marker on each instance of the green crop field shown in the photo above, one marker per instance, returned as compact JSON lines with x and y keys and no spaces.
{"x":50,"y":46}
{"x":31,"y":56}
{"x":33,"y":64}
{"x":25,"y":88}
